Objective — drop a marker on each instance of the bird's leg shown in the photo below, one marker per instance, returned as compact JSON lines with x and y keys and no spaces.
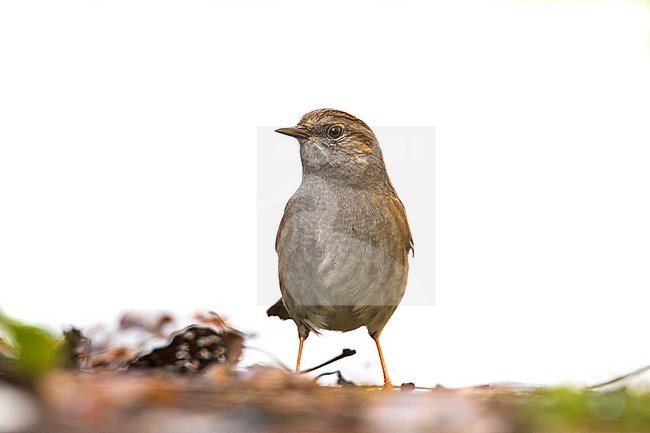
{"x":387,"y":382}
{"x":302,"y":341}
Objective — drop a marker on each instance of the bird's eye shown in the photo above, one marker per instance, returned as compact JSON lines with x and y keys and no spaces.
{"x":335,"y":131}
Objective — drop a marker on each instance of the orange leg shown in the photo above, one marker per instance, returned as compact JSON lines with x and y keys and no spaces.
{"x":387,"y":382}
{"x":302,"y":341}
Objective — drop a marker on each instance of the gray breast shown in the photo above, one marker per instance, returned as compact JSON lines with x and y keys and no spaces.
{"x":342,"y":257}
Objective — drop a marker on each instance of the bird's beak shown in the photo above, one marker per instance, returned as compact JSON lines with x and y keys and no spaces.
{"x":294,"y":131}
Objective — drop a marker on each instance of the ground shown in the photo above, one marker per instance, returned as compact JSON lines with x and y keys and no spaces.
{"x":191,"y":382}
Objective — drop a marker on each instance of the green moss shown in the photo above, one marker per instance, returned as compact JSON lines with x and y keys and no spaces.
{"x":29,"y":351}
{"x":575,"y":410}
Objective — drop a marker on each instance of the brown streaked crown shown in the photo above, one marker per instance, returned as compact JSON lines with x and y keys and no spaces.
{"x":339,"y":129}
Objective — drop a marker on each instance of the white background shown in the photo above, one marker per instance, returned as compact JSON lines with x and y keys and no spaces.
{"x":128,"y":168}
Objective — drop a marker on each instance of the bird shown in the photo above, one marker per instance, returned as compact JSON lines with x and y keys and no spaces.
{"x":344,"y":240}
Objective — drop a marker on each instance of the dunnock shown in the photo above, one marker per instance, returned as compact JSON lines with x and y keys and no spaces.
{"x":344,"y":240}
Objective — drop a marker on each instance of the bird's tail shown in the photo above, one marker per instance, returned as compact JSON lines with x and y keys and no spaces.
{"x":278,"y":309}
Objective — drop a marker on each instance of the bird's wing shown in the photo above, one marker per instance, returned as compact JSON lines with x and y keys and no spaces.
{"x":278,"y":309}
{"x":283,"y":222}
{"x":410,"y":246}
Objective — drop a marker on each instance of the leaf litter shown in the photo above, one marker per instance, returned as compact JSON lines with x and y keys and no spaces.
{"x":151,"y":375}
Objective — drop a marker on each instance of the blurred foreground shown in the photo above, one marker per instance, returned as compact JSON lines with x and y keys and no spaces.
{"x":189,"y":381}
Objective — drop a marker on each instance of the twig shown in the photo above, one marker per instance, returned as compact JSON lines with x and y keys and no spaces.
{"x":344,"y":354}
{"x":620,"y":378}
{"x":340,"y":379}
{"x":270,"y":355}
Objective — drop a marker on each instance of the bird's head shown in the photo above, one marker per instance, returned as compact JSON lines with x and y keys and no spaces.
{"x":336,"y":144}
